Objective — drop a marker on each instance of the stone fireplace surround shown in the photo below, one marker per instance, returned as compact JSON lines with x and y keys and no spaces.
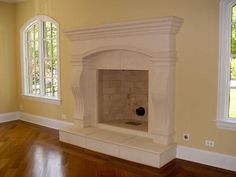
{"x":138,"y":45}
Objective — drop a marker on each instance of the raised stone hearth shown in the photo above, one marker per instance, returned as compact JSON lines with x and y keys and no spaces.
{"x":147,"y":45}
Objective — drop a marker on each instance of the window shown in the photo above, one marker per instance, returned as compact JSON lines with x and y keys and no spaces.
{"x":226,"y":116}
{"x":40,"y":59}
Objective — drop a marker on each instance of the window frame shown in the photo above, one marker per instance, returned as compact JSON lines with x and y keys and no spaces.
{"x":24,"y":63}
{"x":223,"y":120}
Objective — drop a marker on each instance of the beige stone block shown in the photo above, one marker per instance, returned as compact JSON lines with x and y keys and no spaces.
{"x":116,"y":97}
{"x":142,"y":76}
{"x":141,"y":97}
{"x":111,"y":75}
{"x":108,"y":91}
{"x":105,"y":110}
{"x":125,"y":90}
{"x":140,"y":84}
{"x":104,"y":84}
{"x":115,"y":84}
{"x":106,"y":98}
{"x":127,"y":84}
{"x":121,"y":104}
{"x":120,"y":116}
{"x":131,"y":78}
{"x":139,"y":91}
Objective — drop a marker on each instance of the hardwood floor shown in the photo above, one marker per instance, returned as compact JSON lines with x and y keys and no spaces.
{"x":28,"y":150}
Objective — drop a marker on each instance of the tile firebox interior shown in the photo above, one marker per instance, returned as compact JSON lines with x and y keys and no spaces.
{"x":123,"y":98}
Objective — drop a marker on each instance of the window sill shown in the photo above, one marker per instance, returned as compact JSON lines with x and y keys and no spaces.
{"x":227,"y":124}
{"x":55,"y":101}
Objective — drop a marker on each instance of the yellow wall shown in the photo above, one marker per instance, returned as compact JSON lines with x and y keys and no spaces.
{"x":8,"y":102}
{"x":197,"y":47}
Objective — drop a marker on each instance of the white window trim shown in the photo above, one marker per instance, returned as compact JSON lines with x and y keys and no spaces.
{"x":48,"y":100}
{"x":223,"y":121}
{"x":44,"y":99}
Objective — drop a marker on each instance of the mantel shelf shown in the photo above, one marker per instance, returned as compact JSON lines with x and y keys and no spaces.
{"x":163,"y":25}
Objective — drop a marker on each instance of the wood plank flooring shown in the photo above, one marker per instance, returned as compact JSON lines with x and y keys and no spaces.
{"x":28,"y":150}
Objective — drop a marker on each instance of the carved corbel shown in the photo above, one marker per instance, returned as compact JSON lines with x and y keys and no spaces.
{"x":77,"y":91}
{"x":162,"y":97}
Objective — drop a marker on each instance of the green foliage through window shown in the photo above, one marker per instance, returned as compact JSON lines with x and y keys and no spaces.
{"x":233,"y":45}
{"x":232,"y":93}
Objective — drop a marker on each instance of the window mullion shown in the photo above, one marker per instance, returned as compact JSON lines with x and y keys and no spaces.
{"x":58,"y":63}
{"x":227,"y":62}
{"x":41,"y":58}
{"x":52,"y":92}
{"x":26,"y":66}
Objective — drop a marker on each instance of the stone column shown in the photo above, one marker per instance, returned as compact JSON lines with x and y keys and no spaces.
{"x":78,"y":92}
{"x":162,"y":88}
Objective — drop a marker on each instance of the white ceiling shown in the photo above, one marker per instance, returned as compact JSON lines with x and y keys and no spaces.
{"x":11,"y":1}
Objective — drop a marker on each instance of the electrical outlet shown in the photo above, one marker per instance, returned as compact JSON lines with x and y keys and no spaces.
{"x":186,"y":136}
{"x":209,"y":143}
{"x":63,"y":116}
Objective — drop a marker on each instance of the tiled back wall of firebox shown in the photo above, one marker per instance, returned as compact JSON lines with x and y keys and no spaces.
{"x":121,"y":92}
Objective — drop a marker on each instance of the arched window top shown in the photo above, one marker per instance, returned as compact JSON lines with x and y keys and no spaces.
{"x":40,"y":58}
{"x":37,"y":19}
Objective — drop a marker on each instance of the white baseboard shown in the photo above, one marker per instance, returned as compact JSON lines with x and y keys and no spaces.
{"x":39,"y":120}
{"x":44,"y":121}
{"x":7,"y":117}
{"x":214,"y":159}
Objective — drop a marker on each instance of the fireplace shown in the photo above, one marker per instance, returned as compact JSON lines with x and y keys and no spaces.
{"x":124,"y":78}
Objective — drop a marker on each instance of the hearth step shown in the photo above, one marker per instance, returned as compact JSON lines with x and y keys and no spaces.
{"x":125,"y":146}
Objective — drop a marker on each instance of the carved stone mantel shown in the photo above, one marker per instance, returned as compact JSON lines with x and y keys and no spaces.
{"x":137,"y":45}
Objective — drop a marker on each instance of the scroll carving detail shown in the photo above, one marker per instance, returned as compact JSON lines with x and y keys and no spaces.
{"x":77,"y":91}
